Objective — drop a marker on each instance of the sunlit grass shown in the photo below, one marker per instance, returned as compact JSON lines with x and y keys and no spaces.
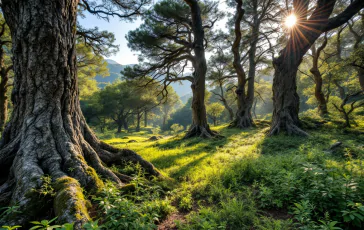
{"x":213,"y":172}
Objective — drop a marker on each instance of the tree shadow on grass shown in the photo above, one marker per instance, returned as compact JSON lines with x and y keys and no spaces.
{"x":190,"y":150}
{"x":195,"y":150}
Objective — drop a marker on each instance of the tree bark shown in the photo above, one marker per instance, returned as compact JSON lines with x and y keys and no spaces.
{"x":47,"y":133}
{"x":303,"y":35}
{"x":243,"y":117}
{"x":145,"y":118}
{"x":199,"y":127}
{"x":285,"y":97}
{"x":320,"y":97}
{"x":139,"y":117}
{"x":229,"y":109}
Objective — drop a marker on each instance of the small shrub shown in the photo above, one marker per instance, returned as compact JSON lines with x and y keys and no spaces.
{"x":176,"y":128}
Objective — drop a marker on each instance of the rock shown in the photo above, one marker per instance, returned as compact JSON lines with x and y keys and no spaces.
{"x":154,"y":138}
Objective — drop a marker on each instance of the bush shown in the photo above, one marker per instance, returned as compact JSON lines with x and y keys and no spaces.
{"x":140,"y":209}
{"x":176,"y":128}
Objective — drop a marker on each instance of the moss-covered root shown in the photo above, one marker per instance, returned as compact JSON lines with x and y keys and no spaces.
{"x":69,"y":203}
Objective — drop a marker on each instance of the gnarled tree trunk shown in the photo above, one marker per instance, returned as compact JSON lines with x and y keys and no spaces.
{"x":243,"y":117}
{"x":199,"y":125}
{"x":303,"y":35}
{"x":47,"y":133}
{"x":285,"y":97}
{"x":320,"y":97}
{"x":228,"y":108}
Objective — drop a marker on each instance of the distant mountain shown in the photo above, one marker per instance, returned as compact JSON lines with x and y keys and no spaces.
{"x":185,"y":98}
{"x":114,"y":70}
{"x":110,"y":61}
{"x":182,"y":89}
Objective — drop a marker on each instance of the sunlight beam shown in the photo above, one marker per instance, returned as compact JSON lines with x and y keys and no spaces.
{"x":291,"y":21}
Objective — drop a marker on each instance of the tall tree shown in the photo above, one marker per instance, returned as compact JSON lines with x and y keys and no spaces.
{"x":47,"y":133}
{"x":5,"y":68}
{"x":172,"y":37}
{"x":320,"y":96}
{"x":302,"y":36}
{"x":250,"y":20}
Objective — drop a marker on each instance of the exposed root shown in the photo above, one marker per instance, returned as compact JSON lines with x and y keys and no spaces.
{"x":125,"y":155}
{"x":242,"y":122}
{"x":287,"y":125}
{"x":27,"y":180}
{"x":123,"y":178}
{"x":202,"y":132}
{"x":93,"y":159}
{"x":69,"y":204}
{"x":70,"y":166}
{"x":114,"y":156}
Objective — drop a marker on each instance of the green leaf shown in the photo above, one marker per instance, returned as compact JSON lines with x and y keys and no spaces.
{"x":44,"y":222}
{"x":52,"y":219}
{"x":35,"y":222}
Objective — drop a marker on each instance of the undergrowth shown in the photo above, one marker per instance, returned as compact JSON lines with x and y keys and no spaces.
{"x":243,"y":181}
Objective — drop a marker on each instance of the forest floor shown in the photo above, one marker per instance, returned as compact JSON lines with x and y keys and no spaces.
{"x":247,"y":180}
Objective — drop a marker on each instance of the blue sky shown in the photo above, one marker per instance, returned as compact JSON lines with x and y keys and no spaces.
{"x":120,"y":29}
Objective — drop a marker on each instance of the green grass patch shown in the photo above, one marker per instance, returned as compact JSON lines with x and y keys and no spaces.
{"x":248,"y":180}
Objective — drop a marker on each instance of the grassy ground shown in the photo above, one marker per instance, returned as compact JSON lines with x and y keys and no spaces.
{"x":250,"y":181}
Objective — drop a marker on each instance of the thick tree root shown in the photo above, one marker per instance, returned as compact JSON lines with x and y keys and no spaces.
{"x":70,"y":203}
{"x":288,"y":126}
{"x":202,"y":132}
{"x":243,"y":118}
{"x":242,"y":123}
{"x":71,"y":164}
